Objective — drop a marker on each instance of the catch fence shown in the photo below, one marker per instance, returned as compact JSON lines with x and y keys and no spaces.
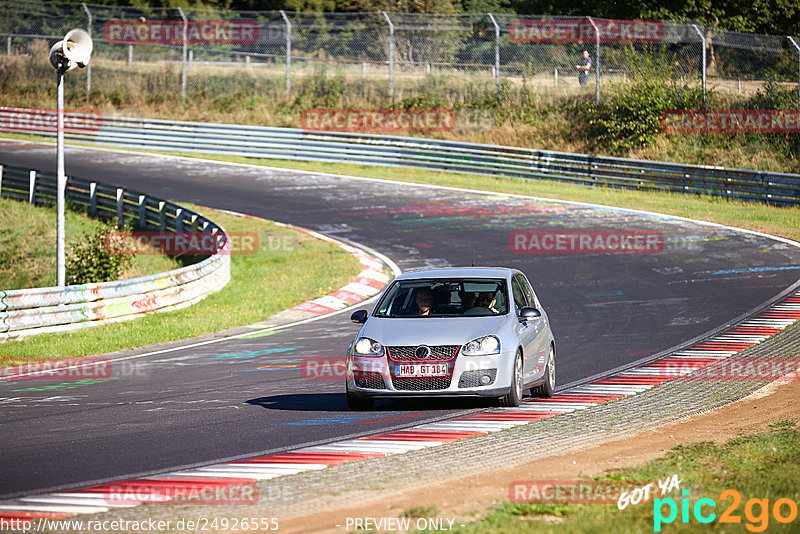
{"x":394,"y":55}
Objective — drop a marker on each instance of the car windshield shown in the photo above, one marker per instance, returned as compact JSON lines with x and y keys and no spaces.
{"x":450,"y":297}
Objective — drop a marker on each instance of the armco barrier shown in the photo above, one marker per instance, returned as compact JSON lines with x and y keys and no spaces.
{"x":432,"y":154}
{"x":28,"y":312}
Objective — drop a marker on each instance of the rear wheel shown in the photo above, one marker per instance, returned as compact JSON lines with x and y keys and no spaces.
{"x":514,"y":396}
{"x":548,"y":387}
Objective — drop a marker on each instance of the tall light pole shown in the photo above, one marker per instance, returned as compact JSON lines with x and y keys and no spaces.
{"x":75,"y":50}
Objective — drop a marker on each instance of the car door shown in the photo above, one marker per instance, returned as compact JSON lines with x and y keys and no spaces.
{"x":526,"y":331}
{"x":537,"y":349}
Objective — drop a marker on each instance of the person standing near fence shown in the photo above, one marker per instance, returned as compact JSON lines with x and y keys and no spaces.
{"x":583,"y":68}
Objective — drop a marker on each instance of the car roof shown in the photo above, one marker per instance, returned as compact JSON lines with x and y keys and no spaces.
{"x":460,"y":272}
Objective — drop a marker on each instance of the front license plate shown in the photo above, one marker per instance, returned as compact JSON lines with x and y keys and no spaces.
{"x":423,"y":370}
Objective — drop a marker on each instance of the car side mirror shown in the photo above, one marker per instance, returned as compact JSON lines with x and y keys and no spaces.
{"x":527,"y":313}
{"x":359,"y":316}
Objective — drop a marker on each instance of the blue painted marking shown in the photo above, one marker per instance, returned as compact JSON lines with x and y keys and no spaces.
{"x":618,"y":292}
{"x":340,"y":419}
{"x":758,"y":270}
{"x":253,"y":354}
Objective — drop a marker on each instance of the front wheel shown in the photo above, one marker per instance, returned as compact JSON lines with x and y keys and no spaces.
{"x":548,"y":387}
{"x":514,"y":396}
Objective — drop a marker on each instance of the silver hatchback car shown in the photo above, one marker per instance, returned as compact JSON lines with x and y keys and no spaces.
{"x":476,"y":331}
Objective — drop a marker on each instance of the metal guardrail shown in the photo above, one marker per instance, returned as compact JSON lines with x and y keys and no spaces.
{"x":398,"y":151}
{"x":27,"y":312}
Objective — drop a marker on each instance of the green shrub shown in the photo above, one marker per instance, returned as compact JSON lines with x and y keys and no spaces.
{"x":776,"y":96}
{"x":629,"y":114}
{"x":773,"y":96}
{"x":630,"y":118}
{"x":320,"y":89}
{"x":94,"y":260}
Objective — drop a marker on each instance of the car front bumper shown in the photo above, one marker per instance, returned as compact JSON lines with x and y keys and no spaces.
{"x":375,"y":377}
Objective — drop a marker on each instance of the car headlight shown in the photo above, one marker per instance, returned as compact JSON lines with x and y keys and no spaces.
{"x":368,"y":347}
{"x":483,"y":346}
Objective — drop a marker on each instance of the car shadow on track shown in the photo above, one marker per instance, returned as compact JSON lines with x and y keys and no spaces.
{"x":337,"y":402}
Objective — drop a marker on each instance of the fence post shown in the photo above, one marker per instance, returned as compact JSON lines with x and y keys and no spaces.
{"x":120,"y":207}
{"x":288,"y":52}
{"x":555,"y":77}
{"x":8,"y":45}
{"x":183,"y":53}
{"x":597,"y":61}
{"x":1,"y":181}
{"x":89,"y":31}
{"x":797,"y":47}
{"x":191,"y":59}
{"x":162,"y":215}
{"x":130,"y":55}
{"x":391,"y":53}
{"x":703,"y":70}
{"x":496,"y":54}
{"x":32,"y":187}
{"x":93,"y":199}
{"x":142,"y":211}
{"x":179,"y":220}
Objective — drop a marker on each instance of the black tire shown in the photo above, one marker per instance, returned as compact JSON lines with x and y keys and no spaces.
{"x":359,"y":404}
{"x":548,"y":387}
{"x":514,"y":396}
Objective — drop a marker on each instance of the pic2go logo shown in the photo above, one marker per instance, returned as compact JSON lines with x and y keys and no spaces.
{"x":756,"y":511}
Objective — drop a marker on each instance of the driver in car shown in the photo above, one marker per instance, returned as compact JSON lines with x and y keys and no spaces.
{"x":423,"y":299}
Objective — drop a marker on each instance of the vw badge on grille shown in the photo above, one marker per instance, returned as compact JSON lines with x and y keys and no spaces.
{"x":423,"y":352}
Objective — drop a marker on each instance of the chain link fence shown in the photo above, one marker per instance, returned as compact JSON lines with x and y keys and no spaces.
{"x":384,"y":56}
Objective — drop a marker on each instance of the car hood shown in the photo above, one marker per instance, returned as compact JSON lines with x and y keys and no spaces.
{"x":430,"y":331}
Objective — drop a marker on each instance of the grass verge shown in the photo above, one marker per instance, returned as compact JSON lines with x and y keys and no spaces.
{"x":289,"y":267}
{"x":27,"y":245}
{"x":761,"y":469}
{"x":528,"y":112}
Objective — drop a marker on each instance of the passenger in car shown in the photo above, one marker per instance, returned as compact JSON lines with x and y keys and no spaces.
{"x":486,"y":300}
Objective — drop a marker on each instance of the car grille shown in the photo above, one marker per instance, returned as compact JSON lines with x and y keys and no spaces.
{"x":421,"y":384}
{"x":372,"y":380}
{"x":440,"y":353}
{"x":472,"y":379}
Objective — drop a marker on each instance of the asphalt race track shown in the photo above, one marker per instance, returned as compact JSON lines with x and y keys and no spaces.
{"x":245,"y":396}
